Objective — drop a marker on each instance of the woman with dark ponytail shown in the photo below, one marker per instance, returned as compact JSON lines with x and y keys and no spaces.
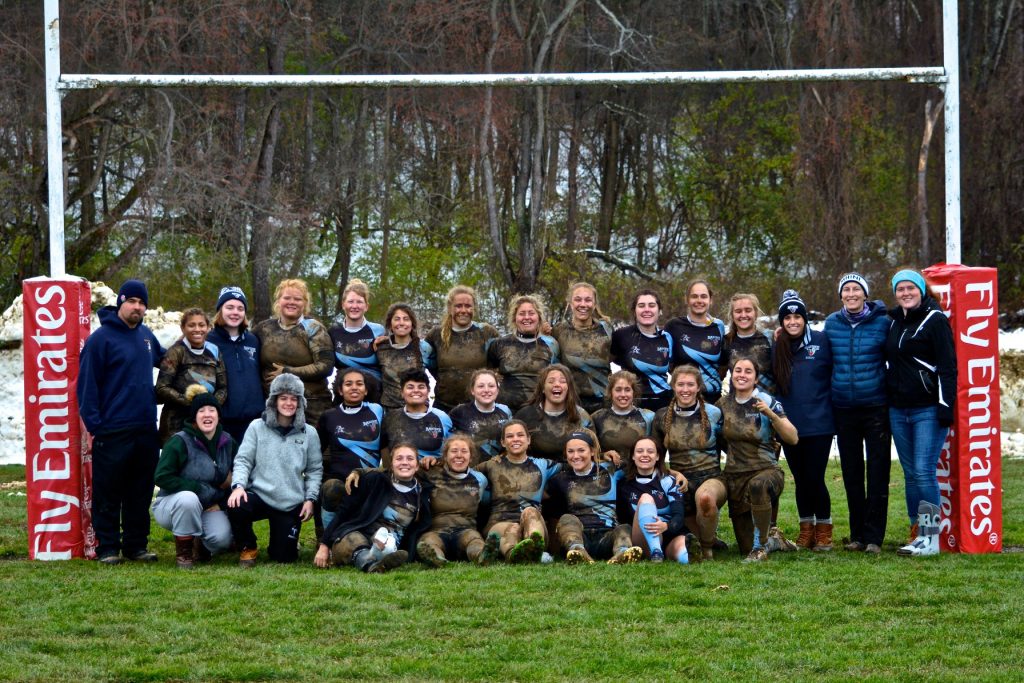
{"x":802,"y":364}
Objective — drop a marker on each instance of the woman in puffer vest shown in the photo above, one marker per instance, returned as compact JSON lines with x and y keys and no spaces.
{"x":194,"y":474}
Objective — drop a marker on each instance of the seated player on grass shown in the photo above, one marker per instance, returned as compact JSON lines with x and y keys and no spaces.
{"x":517,"y":484}
{"x":582,"y":496}
{"x":650,"y":502}
{"x":456,"y":497}
{"x":377,"y":527}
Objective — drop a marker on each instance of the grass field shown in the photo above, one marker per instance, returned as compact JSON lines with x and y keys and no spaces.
{"x":799,"y":616}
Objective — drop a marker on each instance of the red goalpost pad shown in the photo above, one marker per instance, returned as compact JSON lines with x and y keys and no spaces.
{"x":970,"y":466}
{"x":57,"y":471}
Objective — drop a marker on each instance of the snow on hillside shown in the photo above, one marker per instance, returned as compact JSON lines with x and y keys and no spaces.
{"x":166,"y":327}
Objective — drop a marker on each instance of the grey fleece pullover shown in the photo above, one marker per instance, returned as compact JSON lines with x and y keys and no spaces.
{"x":283,"y":470}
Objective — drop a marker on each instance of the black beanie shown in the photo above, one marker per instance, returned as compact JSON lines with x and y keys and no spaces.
{"x":200,"y":397}
{"x":792,"y":303}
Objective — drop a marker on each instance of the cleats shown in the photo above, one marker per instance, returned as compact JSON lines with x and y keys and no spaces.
{"x":527,"y":550}
{"x":657,"y":556}
{"x":627,"y":556}
{"x":854,"y":547}
{"x":111,"y":560}
{"x":873,"y":549}
{"x":757,"y":555}
{"x":578,"y":555}
{"x":491,"y":550}
{"x":388,"y":562}
{"x":777,"y":542}
{"x":719,"y":545}
{"x":429,"y":556}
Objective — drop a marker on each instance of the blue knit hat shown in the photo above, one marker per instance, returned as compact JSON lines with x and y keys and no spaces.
{"x":133,"y":289}
{"x":913,"y":277}
{"x":231,"y":292}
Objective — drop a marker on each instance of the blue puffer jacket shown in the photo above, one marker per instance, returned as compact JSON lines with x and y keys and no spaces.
{"x":858,"y":357}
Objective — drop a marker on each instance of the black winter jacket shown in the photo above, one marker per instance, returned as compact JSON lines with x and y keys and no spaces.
{"x":921,"y":360}
{"x":361,"y":510}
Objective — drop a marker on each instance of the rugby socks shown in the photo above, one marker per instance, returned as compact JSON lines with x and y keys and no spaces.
{"x":648,"y":514}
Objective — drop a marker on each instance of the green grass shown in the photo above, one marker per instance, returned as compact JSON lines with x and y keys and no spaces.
{"x":799,"y":616}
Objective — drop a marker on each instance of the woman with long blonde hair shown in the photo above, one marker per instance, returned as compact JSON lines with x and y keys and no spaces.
{"x":584,"y":342}
{"x":460,"y":347}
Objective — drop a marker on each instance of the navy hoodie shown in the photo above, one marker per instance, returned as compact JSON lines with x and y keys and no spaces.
{"x":115,"y":376}
{"x":809,"y":401}
{"x":242,"y":362}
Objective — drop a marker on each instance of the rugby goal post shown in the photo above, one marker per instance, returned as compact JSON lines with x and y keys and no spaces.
{"x":55,"y":473}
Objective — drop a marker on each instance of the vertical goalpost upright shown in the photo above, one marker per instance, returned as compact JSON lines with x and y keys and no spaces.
{"x":60,"y":304}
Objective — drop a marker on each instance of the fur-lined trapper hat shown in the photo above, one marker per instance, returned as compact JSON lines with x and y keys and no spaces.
{"x":286,"y":383}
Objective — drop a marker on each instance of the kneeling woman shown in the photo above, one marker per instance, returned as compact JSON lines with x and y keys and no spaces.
{"x":751,"y":420}
{"x":377,"y":527}
{"x":277,"y":474}
{"x":458,"y":493}
{"x":649,"y":501}
{"x":194,"y":474}
{"x":350,"y":434}
{"x":582,"y":497}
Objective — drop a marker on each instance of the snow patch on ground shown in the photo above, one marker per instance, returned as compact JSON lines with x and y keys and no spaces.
{"x":166,"y":327}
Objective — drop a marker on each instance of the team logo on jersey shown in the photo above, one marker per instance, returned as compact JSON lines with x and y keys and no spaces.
{"x":433,"y":431}
{"x":149,"y":345}
{"x":372,"y":424}
{"x":686,"y":339}
{"x":714,"y":339}
{"x":812,"y":349}
{"x":635,"y":351}
{"x":251,"y":350}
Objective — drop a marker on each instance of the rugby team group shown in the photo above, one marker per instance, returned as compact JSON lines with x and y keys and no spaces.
{"x":531,"y":447}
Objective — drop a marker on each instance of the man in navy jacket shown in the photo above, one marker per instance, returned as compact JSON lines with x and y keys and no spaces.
{"x":117,"y":403}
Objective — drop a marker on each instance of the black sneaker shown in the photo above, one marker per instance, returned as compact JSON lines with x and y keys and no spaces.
{"x":143,"y":556}
{"x":388,"y":562}
{"x":111,"y":560}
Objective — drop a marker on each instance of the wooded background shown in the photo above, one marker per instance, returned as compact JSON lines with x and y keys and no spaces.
{"x":757,"y":187}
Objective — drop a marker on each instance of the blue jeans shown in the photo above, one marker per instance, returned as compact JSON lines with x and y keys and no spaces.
{"x":918,"y":437}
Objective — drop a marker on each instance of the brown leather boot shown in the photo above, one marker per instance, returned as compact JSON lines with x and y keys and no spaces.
{"x":823,"y":537}
{"x":183,"y":551}
{"x":199,"y":551}
{"x":806,"y":537}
